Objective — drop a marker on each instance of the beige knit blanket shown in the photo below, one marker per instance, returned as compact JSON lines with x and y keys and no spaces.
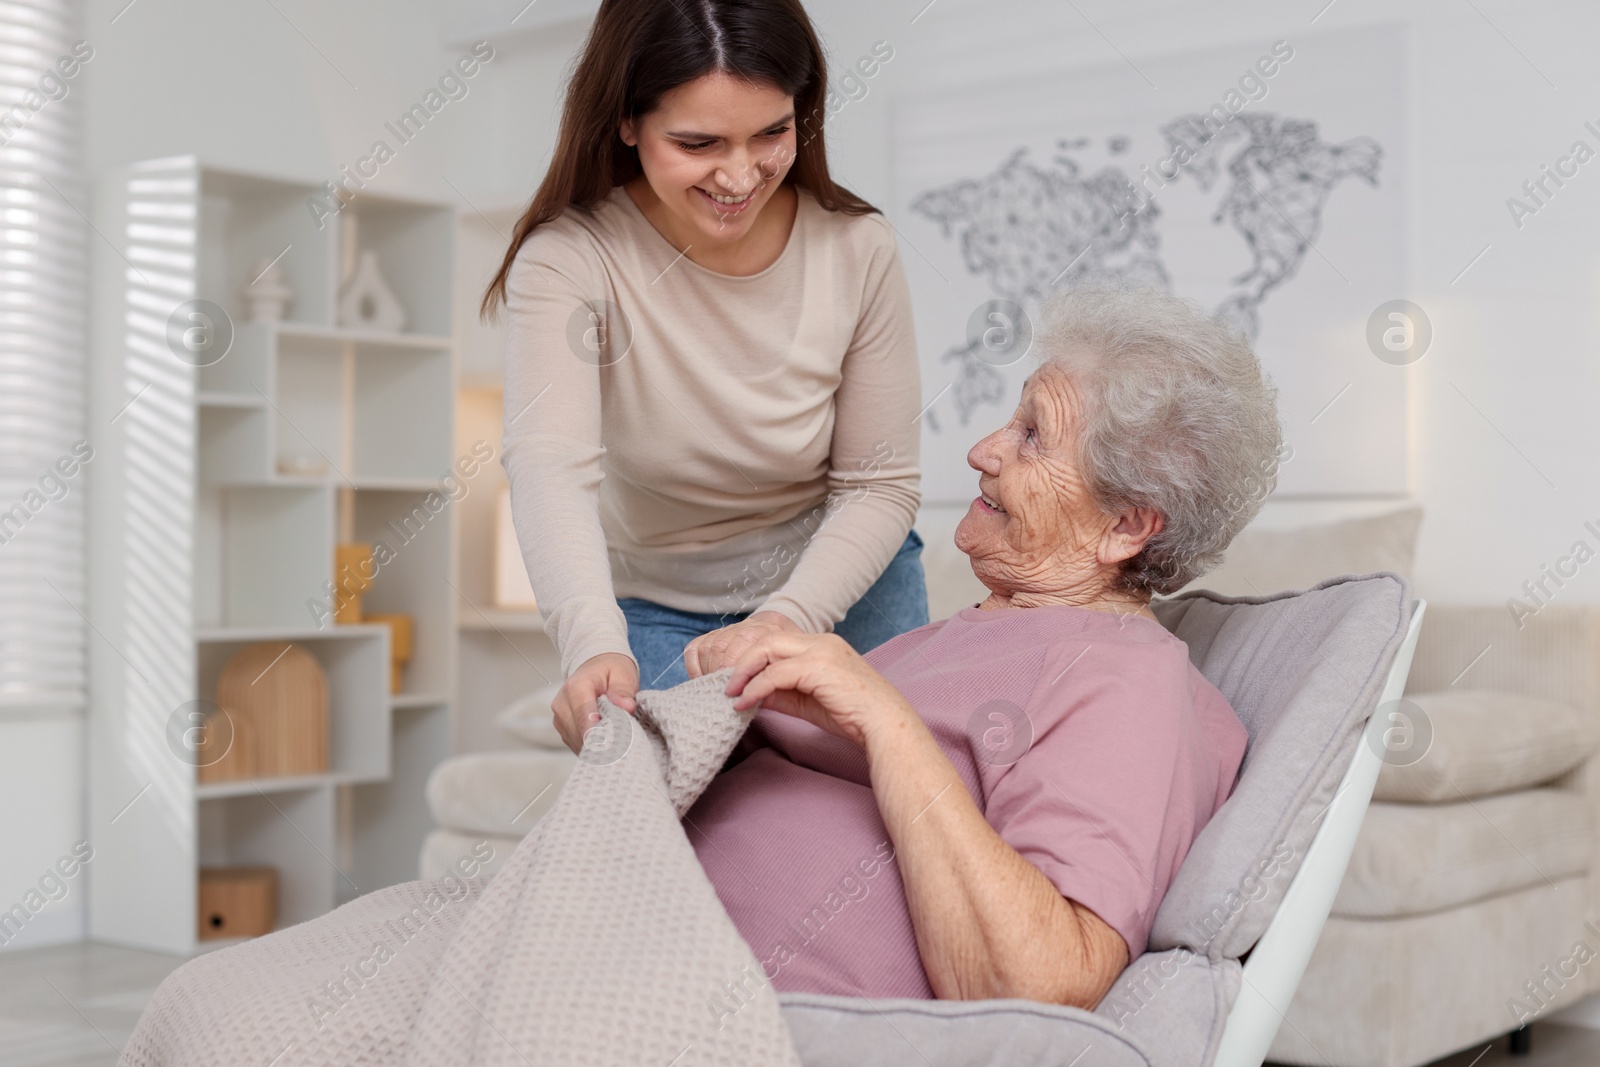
{"x":601,"y":941}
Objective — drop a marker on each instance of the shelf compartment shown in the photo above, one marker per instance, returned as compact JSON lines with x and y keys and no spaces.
{"x":344,"y":401}
{"x":413,"y":580}
{"x":246,"y":371}
{"x":245,"y":218}
{"x":293,"y":831}
{"x":233,"y":444}
{"x":354,"y":405}
{"x":392,"y":386}
{"x":310,"y":411}
{"x":264,"y":555}
{"x":414,"y":245}
{"x":356,"y":664}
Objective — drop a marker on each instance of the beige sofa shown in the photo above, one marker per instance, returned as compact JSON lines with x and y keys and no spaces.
{"x":1476,"y":869}
{"x":1462,"y":916}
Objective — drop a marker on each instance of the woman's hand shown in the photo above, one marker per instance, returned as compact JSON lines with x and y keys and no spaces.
{"x":576,"y":707}
{"x":719,"y":648}
{"x":821,"y":679}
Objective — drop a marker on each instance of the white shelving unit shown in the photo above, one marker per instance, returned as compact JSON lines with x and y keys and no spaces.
{"x":210,"y":531}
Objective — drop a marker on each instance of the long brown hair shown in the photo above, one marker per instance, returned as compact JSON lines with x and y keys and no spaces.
{"x":639,"y":50}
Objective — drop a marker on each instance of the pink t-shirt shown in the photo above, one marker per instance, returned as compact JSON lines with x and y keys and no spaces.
{"x":1088,"y":740}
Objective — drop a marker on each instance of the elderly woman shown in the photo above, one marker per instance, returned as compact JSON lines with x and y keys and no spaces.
{"x":994,"y":805}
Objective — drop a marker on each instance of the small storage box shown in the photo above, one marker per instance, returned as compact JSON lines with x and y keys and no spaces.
{"x":238,"y":901}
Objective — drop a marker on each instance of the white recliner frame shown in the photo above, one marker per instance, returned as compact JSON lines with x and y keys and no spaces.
{"x":1279,"y":959}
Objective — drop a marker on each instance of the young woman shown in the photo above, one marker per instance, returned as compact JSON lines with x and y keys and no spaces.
{"x":712,"y":391}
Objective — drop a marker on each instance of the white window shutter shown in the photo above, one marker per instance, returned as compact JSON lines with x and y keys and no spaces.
{"x":43,"y":306}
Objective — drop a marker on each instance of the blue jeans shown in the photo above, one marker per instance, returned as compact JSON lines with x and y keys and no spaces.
{"x":896,"y":602}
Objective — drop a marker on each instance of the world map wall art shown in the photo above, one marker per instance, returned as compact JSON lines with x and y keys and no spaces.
{"x":1265,"y":181}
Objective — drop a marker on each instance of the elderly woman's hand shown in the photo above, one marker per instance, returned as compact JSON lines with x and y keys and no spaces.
{"x":819,"y":678}
{"x":719,"y":648}
{"x":989,"y":924}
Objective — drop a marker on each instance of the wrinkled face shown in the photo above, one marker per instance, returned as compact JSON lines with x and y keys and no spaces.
{"x":714,"y":151}
{"x":1033,"y":527}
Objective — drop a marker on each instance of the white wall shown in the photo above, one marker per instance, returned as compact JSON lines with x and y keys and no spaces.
{"x":1517,"y":334}
{"x":42,"y":796}
{"x":1500,"y":404}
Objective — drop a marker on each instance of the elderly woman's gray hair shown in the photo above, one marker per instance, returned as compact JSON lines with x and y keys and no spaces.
{"x":1176,"y":415}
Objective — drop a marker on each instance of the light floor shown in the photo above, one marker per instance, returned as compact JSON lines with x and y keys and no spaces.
{"x":74,"y":1006}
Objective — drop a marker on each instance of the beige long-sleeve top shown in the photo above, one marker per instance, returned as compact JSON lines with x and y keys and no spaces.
{"x":706,"y":441}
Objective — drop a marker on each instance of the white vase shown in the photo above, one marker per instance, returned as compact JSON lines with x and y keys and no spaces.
{"x":267,"y":298}
{"x":367,"y":302}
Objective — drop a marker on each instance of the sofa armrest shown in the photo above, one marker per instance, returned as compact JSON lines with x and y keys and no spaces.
{"x":1554,"y":654}
{"x":1585,"y":779}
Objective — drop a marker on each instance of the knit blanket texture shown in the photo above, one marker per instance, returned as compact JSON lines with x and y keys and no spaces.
{"x":600,"y":942}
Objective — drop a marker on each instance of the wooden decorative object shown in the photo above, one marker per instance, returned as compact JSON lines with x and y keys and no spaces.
{"x":401,"y":642}
{"x":352,"y":576}
{"x":237,"y":902}
{"x":227,"y":749}
{"x":277,"y":696}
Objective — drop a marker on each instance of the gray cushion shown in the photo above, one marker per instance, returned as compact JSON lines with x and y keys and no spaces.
{"x":1483,"y":742}
{"x":1302,"y":670}
{"x":856,"y":1032}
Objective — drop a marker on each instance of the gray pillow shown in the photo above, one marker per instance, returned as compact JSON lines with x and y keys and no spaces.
{"x":1303,"y":671}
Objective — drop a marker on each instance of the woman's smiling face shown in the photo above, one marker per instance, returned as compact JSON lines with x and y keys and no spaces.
{"x":716,"y":137}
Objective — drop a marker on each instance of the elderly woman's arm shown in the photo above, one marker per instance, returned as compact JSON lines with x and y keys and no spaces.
{"x":988,"y":923}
